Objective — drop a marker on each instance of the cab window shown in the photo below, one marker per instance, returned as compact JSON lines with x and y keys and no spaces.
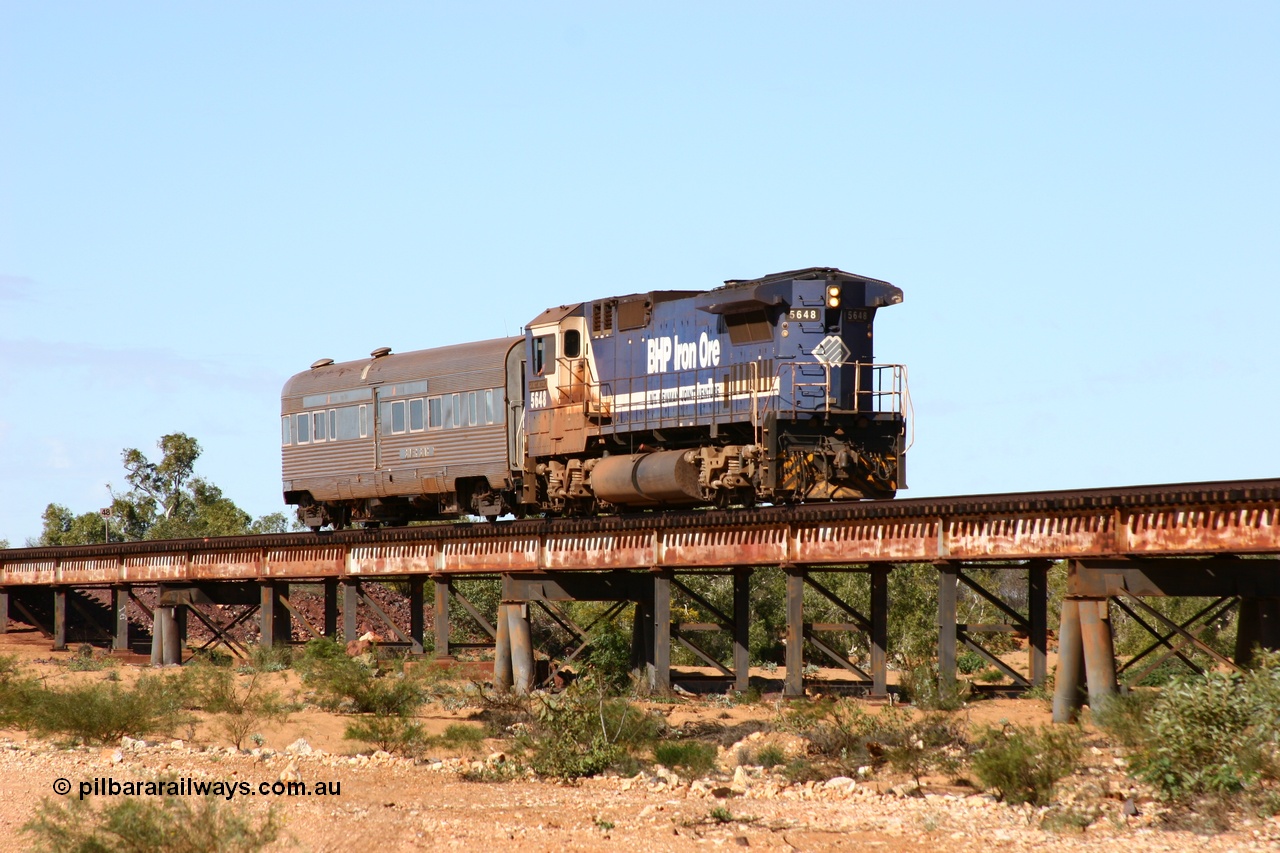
{"x":572,"y":343}
{"x":544,"y":354}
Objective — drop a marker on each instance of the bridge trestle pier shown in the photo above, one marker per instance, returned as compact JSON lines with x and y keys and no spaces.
{"x":873,"y":623}
{"x":1025,"y":609}
{"x":1087,"y":665}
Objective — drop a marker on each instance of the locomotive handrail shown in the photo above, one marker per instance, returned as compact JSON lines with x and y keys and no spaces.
{"x":896,"y":391}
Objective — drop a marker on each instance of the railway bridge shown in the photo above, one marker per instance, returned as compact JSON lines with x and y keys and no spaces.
{"x":1121,"y":547}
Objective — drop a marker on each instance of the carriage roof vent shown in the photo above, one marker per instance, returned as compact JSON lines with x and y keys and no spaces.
{"x":321,"y":362}
{"x":380,"y":352}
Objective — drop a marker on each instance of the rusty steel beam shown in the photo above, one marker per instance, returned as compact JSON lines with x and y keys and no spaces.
{"x":1241,"y":517}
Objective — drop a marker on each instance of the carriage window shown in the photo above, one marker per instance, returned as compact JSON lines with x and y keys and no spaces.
{"x":572,"y":343}
{"x":319,"y":430}
{"x":415,"y":416}
{"x":490,"y":408}
{"x":449,"y":408}
{"x":473,"y":415}
{"x":364,"y":421}
{"x":286,"y":430}
{"x":544,"y":354}
{"x":434,"y":413}
{"x":333,"y":424}
{"x":304,"y":428}
{"x":348,"y":422}
{"x":397,"y":416}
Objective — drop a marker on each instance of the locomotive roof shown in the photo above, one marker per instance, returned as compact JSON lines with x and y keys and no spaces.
{"x":395,"y":367}
{"x":555,"y":315}
{"x":806,"y":274}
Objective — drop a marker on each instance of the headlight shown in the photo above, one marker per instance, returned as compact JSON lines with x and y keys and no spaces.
{"x":833,"y":296}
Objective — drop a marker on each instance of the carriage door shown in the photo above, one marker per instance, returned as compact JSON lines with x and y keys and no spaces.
{"x":515,"y":406}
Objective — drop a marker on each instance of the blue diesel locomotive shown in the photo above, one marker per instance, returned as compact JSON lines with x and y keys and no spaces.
{"x":758,"y":391}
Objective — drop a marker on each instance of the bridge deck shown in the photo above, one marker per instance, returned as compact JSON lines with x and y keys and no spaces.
{"x":1241,"y":517}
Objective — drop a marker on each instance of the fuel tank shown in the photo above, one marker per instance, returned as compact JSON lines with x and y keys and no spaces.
{"x":664,"y":478}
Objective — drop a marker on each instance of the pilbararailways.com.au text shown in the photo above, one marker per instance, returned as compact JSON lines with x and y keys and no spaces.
{"x":188,"y":787}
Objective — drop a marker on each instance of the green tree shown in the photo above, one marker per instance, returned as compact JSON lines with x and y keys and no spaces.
{"x":63,"y":527}
{"x":167,"y":500}
{"x":163,"y":481}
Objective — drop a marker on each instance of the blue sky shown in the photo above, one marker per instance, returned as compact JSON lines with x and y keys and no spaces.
{"x":1081,"y":203}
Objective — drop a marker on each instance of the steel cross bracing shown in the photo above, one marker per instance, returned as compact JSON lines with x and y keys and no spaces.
{"x":1125,"y":527}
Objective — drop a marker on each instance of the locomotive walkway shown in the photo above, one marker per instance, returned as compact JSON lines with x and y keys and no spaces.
{"x":1122,"y":545}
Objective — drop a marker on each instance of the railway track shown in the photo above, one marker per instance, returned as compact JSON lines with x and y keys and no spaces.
{"x":1183,"y":497}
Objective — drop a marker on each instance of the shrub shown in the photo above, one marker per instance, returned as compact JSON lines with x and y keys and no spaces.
{"x":843,"y":736}
{"x":839,"y":729}
{"x":86,"y":659}
{"x":104,"y":712}
{"x":968,"y":662}
{"x":242,"y":704}
{"x":1124,"y":717}
{"x":17,"y":691}
{"x":768,"y":755}
{"x":390,"y":733}
{"x":460,"y":736}
{"x":610,"y":656}
{"x":720,"y":814}
{"x":1215,"y":734}
{"x":1023,"y":765}
{"x":347,"y":684}
{"x":138,"y":824}
{"x":930,"y":743}
{"x":583,"y":731}
{"x":696,"y":758}
{"x":921,"y":687}
{"x":269,"y":658}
